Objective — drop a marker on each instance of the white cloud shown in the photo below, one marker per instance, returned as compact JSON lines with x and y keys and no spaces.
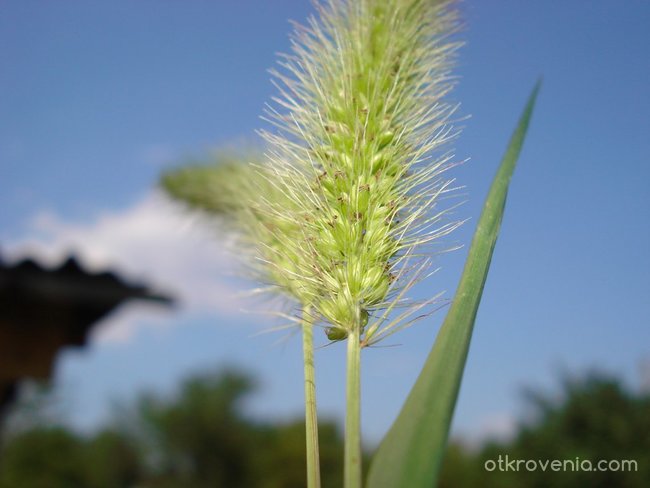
{"x":152,"y":241}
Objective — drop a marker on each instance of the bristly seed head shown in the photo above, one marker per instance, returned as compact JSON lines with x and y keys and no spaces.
{"x":362,"y":114}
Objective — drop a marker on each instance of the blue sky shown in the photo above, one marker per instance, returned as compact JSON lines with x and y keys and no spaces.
{"x":96,"y":98}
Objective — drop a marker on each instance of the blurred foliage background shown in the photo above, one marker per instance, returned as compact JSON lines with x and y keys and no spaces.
{"x":199,"y":437}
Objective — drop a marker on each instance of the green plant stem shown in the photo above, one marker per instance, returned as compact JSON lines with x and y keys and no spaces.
{"x":352,"y":467}
{"x":311,"y":420}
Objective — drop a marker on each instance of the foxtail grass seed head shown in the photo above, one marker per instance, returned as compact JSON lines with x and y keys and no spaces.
{"x":221,"y":189}
{"x":237,"y":193}
{"x":355,"y":174}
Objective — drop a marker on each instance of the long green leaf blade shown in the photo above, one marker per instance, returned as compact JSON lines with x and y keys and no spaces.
{"x":411,"y":453}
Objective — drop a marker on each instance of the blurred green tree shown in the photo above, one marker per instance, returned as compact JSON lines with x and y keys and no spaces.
{"x":112,"y":459}
{"x":49,"y":457}
{"x":594,"y":418}
{"x":200,"y":438}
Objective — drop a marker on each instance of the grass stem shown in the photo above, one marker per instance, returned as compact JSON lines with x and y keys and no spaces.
{"x":311,"y":420}
{"x":352,"y":466}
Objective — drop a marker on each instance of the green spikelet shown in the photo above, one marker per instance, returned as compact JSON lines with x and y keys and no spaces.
{"x":361,"y":120}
